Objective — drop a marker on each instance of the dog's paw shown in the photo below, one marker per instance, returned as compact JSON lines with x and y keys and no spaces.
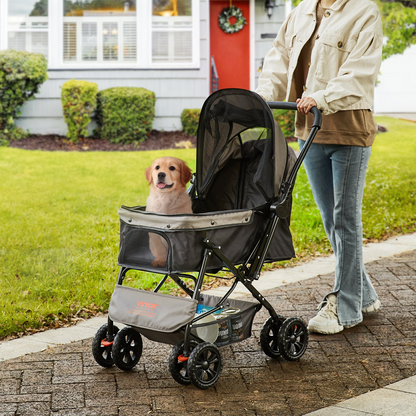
{"x":158,"y":263}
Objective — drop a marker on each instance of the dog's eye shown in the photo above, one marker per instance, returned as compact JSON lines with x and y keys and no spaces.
{"x":157,"y":167}
{"x":171,"y":167}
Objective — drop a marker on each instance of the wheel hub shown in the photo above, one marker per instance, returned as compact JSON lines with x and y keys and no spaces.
{"x":205,"y":365}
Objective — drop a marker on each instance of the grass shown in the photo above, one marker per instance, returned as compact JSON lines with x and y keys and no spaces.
{"x":59,"y":228}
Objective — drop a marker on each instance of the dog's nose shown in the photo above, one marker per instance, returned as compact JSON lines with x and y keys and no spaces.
{"x":161,"y":175}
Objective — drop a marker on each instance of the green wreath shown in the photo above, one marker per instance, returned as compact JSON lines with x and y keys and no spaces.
{"x":224,"y":22}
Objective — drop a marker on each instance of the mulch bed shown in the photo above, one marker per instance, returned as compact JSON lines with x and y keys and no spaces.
{"x":157,"y":140}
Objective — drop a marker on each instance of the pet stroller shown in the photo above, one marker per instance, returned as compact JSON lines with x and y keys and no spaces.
{"x":241,"y":196}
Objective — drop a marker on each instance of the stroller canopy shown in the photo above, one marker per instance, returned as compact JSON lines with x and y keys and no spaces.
{"x":238,"y":135}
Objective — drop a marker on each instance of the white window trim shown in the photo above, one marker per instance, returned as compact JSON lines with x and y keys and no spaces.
{"x":144,"y":49}
{"x":3,"y":25}
{"x":144,"y":36}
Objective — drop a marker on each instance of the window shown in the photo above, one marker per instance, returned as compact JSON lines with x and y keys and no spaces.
{"x":172,"y":31}
{"x":104,"y":33}
{"x":28,"y":25}
{"x":98,"y":31}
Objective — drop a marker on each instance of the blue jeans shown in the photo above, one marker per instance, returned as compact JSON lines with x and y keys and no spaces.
{"x":336,"y":174}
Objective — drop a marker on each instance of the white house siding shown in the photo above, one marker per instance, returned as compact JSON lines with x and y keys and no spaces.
{"x":265,"y":25}
{"x":397,"y":84}
{"x":175,"y":89}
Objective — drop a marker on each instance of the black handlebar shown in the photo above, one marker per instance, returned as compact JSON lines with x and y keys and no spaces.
{"x":280,"y":105}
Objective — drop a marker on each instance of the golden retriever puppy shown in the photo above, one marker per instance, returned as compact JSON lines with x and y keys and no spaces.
{"x":167,"y":177}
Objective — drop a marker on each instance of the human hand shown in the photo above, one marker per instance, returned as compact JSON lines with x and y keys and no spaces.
{"x":305,"y":104}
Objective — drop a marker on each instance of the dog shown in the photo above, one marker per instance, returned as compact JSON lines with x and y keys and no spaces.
{"x":167,"y":177}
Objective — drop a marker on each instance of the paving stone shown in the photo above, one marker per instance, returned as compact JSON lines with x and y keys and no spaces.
{"x":66,"y":380}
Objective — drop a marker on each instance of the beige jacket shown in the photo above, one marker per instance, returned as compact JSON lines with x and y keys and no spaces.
{"x":345,"y":60}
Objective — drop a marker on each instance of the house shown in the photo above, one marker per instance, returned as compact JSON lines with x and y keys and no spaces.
{"x":167,"y":46}
{"x":175,"y":48}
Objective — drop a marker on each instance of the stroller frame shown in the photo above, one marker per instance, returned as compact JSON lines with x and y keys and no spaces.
{"x":279,"y":337}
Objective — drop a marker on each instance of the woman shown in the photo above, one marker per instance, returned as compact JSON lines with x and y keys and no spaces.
{"x":327,"y":54}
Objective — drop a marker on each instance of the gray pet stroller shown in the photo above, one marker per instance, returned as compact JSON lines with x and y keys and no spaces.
{"x":241,"y":196}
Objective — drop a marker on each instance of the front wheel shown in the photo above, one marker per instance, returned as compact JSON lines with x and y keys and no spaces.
{"x":127,"y":348}
{"x":178,"y":365}
{"x":205,"y":365}
{"x":101,"y":349}
{"x":293,"y":339}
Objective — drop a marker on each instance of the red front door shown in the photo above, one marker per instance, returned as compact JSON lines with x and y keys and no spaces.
{"x":231,"y":51}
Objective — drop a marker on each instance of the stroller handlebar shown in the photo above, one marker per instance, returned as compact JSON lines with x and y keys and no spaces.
{"x":280,"y":105}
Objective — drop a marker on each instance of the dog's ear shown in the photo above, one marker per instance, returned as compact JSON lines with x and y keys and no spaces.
{"x":148,"y":174}
{"x":186,"y":174}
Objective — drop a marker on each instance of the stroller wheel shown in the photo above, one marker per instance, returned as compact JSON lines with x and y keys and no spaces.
{"x":103,"y":353}
{"x":179,"y":369}
{"x":293,"y":339}
{"x":268,"y":338}
{"x":127,"y":348}
{"x":205,"y":365}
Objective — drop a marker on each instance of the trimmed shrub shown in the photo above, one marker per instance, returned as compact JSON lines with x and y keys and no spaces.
{"x":286,"y":121}
{"x":125,"y":114}
{"x":21,"y":75}
{"x":79,"y":100}
{"x":190,"y":120}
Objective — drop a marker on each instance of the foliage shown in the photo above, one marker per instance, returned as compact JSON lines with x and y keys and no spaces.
{"x":286,"y":121}
{"x":399,"y":24}
{"x":125,"y":114}
{"x":79,"y":100}
{"x":67,"y":263}
{"x":224,"y":20}
{"x":21,"y":75}
{"x":190,"y":120}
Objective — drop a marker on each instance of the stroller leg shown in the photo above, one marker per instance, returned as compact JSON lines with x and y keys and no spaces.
{"x":196,"y":294}
{"x":264,"y":302}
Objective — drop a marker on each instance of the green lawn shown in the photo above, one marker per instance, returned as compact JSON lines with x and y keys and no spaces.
{"x":59,"y":228}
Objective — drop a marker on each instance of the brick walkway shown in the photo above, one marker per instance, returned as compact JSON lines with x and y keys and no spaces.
{"x":66,"y":380}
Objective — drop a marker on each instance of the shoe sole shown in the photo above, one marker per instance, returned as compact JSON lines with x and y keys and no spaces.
{"x":326,"y":331}
{"x":373,"y":307}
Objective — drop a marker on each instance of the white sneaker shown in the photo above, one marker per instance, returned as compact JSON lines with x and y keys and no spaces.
{"x":373,"y":307}
{"x":326,"y":321}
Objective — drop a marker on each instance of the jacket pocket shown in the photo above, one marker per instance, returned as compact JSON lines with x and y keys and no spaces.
{"x":333,"y":51}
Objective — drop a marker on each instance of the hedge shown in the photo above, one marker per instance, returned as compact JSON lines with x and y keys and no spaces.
{"x":79,"y":100}
{"x":125,"y":114}
{"x":190,"y":120}
{"x":21,"y":75}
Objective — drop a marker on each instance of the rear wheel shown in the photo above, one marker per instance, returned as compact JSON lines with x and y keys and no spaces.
{"x":178,"y":365}
{"x":293,"y":339}
{"x":268,"y":338}
{"x":101,"y":349}
{"x":205,"y":365}
{"x":127,"y":348}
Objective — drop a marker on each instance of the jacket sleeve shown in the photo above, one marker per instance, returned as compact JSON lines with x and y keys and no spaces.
{"x":357,"y":75}
{"x":274,"y":76}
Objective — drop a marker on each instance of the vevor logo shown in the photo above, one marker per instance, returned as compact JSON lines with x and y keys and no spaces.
{"x":145,"y":309}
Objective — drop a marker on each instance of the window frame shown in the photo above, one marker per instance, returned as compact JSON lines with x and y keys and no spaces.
{"x":144,"y":30}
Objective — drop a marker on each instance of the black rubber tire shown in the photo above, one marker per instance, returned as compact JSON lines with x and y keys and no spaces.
{"x":268,"y":338}
{"x":127,"y":348}
{"x":179,"y":369}
{"x":205,"y":365}
{"x":103,"y":355}
{"x":293,"y":339}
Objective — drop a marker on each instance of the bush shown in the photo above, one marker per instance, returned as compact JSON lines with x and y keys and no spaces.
{"x":21,"y":75}
{"x":79,"y":100}
{"x":286,"y":121}
{"x":125,"y":114}
{"x":190,"y":120}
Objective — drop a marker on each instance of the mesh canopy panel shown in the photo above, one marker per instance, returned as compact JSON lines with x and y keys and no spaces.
{"x":237,"y":124}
